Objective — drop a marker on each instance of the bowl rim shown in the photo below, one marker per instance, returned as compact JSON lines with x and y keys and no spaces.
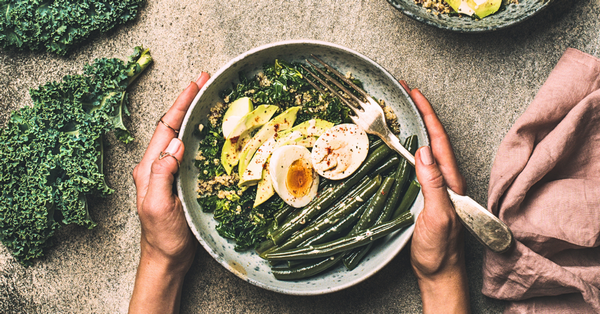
{"x":474,"y":30}
{"x":416,"y":209}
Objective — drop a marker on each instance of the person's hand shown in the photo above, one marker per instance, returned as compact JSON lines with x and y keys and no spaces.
{"x":437,"y":248}
{"x":167,"y":244}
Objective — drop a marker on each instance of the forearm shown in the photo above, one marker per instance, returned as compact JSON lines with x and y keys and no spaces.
{"x":157,"y":287}
{"x":446,"y":292}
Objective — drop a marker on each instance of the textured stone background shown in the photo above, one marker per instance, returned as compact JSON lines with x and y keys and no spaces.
{"x":479,"y":85}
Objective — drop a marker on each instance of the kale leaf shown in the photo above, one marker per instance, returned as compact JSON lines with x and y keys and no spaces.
{"x":59,"y":25}
{"x":51,"y":153}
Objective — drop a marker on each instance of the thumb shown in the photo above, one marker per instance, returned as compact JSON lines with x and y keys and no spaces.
{"x":163,"y":170}
{"x":432,"y":181}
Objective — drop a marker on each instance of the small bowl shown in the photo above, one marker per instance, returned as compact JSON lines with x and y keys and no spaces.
{"x":248,"y":265}
{"x":511,"y":15}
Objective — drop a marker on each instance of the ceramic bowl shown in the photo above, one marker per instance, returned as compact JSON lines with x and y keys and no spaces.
{"x":511,"y":15}
{"x":248,"y":265}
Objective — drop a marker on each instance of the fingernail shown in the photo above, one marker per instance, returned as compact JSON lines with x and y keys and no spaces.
{"x":173,"y":146}
{"x":199,"y":76}
{"x":426,"y":156}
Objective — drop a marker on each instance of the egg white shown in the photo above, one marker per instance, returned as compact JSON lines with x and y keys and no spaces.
{"x":340,"y":151}
{"x":279,"y":165}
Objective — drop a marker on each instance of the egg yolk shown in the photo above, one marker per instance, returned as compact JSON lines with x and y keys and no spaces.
{"x":299,"y":178}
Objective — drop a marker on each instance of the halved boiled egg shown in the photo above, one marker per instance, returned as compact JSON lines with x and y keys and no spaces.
{"x":340,"y":151}
{"x":293,"y":176}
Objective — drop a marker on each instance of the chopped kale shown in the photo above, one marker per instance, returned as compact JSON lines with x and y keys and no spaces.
{"x":209,"y":151}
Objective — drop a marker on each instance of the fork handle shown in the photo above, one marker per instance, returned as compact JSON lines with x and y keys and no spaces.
{"x":486,"y":227}
{"x":394,"y":143}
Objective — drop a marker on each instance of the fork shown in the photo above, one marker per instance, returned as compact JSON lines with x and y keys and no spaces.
{"x":369,"y":116}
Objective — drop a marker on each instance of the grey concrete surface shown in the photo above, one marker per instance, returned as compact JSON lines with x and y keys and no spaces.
{"x":478,"y":84}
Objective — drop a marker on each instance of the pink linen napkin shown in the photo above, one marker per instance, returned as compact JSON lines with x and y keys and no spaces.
{"x":545,"y":184}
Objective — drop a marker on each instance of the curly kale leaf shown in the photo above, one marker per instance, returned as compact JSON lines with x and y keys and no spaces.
{"x":59,"y":25}
{"x":51,"y":154}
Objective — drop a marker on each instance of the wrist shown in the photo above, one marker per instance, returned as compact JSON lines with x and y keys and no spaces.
{"x":158,"y":283}
{"x":160,"y":262}
{"x":445,"y":291}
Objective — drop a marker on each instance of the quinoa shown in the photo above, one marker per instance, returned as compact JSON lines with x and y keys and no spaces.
{"x":263,"y":81}
{"x":217,"y":184}
{"x":435,"y":6}
{"x":390,"y":117}
{"x":216,"y":112}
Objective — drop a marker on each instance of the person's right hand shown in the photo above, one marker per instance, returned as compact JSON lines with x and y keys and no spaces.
{"x":437,"y":248}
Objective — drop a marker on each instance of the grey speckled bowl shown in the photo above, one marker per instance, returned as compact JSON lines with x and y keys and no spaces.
{"x":248,"y":265}
{"x":512,"y":14}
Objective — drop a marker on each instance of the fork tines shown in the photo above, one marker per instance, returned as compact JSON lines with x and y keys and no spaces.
{"x":348,"y":94}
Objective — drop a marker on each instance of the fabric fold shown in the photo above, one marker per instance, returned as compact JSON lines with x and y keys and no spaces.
{"x":545,"y":184}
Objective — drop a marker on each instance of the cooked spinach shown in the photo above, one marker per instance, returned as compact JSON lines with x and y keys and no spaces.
{"x":210,"y":148}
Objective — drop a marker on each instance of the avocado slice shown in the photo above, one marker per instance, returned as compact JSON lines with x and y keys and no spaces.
{"x":254,"y":170}
{"x":283,"y":121}
{"x":240,"y":135}
{"x":304,"y":134}
{"x":481,"y":8}
{"x":265,"y":188}
{"x":236,"y":111}
{"x":314,"y":127}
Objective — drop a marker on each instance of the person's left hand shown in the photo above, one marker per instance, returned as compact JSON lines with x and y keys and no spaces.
{"x":167,"y":244}
{"x":165,"y":233}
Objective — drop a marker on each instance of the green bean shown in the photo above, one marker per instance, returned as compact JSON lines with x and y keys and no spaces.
{"x":369,"y":217}
{"x":268,"y":245}
{"x":285,"y":212}
{"x":375,"y":144}
{"x":337,"y":229}
{"x":345,"y":243}
{"x":306,"y":270}
{"x":403,"y":175}
{"x":409,"y":198}
{"x":282,"y":214}
{"x":387,"y":165}
{"x":276,"y":224}
{"x":343,"y":209}
{"x":279,"y":216}
{"x":352,"y":193}
{"x":264,"y":246}
{"x":375,"y":206}
{"x":352,"y":259}
{"x":325,"y":191}
{"x":334,"y":232}
{"x":313,"y":209}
